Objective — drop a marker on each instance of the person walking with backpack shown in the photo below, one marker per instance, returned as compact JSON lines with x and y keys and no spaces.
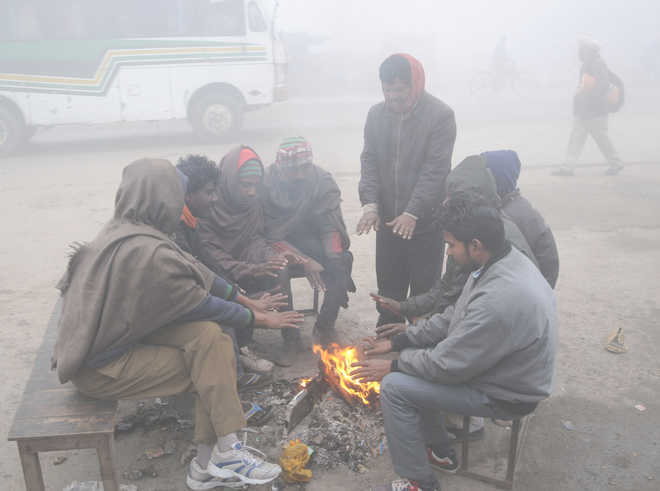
{"x":599,"y":93}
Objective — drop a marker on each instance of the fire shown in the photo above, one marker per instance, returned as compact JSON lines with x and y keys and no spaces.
{"x":337,"y":363}
{"x":304,"y":382}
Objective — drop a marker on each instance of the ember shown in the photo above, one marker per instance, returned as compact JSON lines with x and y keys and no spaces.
{"x":304,"y":382}
{"x":337,"y":366}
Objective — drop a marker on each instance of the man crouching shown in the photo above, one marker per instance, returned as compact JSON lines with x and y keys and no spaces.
{"x":491,"y":354}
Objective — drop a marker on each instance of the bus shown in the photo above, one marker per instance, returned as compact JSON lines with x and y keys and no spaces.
{"x":101,"y":61}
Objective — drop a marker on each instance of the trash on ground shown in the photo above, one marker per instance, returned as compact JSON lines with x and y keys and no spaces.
{"x":293,"y":461}
{"x":568,"y":425}
{"x":640,"y":407}
{"x":59,"y":460}
{"x":615,"y":342}
{"x":154,"y":452}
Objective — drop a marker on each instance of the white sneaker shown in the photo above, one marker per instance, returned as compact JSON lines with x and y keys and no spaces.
{"x":198,"y":479}
{"x":240,"y":462}
{"x":253,"y":364}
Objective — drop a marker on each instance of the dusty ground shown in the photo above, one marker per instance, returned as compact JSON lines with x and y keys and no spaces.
{"x":61,"y":189}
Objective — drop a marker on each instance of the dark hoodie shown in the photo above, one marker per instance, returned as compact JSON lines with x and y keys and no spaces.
{"x":470,"y":176}
{"x":505,"y":167}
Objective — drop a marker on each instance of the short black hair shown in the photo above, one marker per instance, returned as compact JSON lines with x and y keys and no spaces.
{"x":199,"y":170}
{"x":395,"y":67}
{"x":468,"y":218}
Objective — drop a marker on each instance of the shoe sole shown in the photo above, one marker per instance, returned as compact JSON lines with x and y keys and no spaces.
{"x":228,"y":474}
{"x":443,"y":469}
{"x":195,"y":485}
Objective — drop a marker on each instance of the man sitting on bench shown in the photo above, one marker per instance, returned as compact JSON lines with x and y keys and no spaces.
{"x":491,"y":354}
{"x":140,"y":319}
{"x":302,"y":206}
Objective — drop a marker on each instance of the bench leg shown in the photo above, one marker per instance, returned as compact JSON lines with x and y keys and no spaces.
{"x":316,"y":302}
{"x":513,"y":450}
{"x":34,"y":480}
{"x":105,"y":452}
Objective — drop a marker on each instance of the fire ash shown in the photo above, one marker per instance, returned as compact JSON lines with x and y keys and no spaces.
{"x":337,"y":366}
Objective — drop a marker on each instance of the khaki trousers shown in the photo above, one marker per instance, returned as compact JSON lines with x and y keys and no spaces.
{"x":196,"y":356}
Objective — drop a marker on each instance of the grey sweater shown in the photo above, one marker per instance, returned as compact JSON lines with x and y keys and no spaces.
{"x":500,"y":337}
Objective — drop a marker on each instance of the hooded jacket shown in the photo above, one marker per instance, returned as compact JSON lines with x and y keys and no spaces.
{"x":505,"y":167}
{"x":131,"y":279}
{"x":406,"y":157}
{"x":471,"y":175}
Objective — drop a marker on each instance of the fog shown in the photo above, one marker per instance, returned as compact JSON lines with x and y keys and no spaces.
{"x":80,"y":106}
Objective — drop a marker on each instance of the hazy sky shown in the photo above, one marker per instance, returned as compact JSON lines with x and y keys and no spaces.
{"x":537,"y":32}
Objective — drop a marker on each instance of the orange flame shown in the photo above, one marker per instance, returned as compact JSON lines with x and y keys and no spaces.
{"x":338,"y":364}
{"x":304,"y":382}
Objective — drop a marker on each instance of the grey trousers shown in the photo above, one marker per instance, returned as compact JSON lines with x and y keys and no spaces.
{"x":598,"y":129}
{"x":413,"y":412}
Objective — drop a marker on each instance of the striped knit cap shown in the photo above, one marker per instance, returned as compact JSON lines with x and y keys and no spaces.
{"x":249,"y":164}
{"x":293,"y":152}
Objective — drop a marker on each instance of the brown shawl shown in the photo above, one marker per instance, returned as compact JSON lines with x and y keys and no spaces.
{"x":131,"y":279}
{"x":233,"y":227}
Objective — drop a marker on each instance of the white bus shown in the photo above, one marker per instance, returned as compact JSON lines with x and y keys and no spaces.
{"x":101,"y":61}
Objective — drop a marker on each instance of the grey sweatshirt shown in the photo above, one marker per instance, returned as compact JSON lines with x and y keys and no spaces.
{"x":500,"y":337}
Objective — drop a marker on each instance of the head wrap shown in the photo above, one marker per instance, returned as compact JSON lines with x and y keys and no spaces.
{"x":249,"y":164}
{"x":293,"y":152}
{"x":505,"y":166}
{"x":417,"y":79}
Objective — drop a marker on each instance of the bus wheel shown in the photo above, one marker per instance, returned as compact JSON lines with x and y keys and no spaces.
{"x":12,"y":131}
{"x":216,"y":116}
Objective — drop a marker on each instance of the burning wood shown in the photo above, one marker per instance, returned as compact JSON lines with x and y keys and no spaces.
{"x":337,"y":364}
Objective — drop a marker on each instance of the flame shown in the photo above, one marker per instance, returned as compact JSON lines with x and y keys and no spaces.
{"x":304,"y":382}
{"x":338,"y":364}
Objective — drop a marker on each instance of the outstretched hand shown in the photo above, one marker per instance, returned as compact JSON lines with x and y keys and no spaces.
{"x":403,"y":226}
{"x":387,"y":303}
{"x":374,"y":346}
{"x":371,"y":370}
{"x":389,"y":330}
{"x":270,"y":301}
{"x":368,"y":221}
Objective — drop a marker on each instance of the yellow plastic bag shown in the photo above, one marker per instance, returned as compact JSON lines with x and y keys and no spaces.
{"x":293,"y":462}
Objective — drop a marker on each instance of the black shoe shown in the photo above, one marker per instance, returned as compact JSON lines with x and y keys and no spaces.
{"x":447,"y":463}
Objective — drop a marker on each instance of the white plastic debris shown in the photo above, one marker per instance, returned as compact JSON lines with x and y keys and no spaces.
{"x":96,"y":486}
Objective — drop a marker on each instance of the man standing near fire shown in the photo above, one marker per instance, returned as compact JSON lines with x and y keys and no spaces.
{"x":408,"y":145}
{"x":492,"y":354}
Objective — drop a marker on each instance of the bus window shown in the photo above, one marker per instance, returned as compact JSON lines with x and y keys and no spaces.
{"x":256,"y":19}
{"x":224,"y":18}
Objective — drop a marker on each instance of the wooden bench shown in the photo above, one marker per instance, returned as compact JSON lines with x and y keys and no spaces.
{"x":55,"y":417}
{"x":512,"y":458}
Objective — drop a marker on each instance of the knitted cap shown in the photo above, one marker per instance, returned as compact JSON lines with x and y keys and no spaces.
{"x":294,"y":151}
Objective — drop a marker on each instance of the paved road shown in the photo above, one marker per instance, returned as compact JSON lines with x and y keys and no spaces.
{"x":61,"y":190}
